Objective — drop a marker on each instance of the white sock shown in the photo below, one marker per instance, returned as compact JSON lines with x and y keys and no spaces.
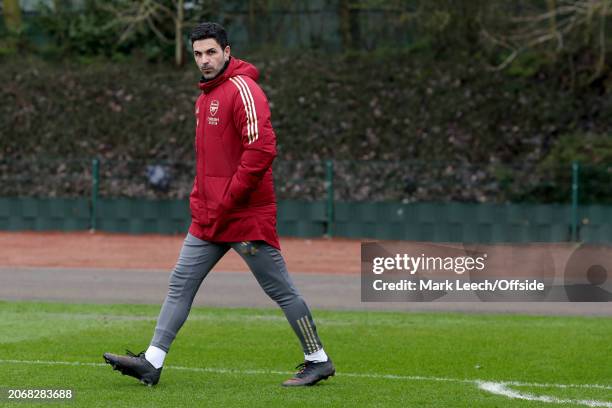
{"x":155,"y":356}
{"x":317,"y":356}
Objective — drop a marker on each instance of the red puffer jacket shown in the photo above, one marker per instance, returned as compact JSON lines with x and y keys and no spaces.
{"x":233,"y":192}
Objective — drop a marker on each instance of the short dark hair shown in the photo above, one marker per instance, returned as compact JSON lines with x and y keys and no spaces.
{"x":210,"y":30}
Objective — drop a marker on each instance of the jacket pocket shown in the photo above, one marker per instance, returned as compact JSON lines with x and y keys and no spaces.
{"x":216,"y":187}
{"x":199,"y":213}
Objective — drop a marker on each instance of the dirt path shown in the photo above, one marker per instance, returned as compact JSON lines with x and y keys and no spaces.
{"x":118,"y":268}
{"x":122,"y":251}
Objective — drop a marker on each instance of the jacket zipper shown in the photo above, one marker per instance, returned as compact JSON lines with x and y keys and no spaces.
{"x":200,"y":151}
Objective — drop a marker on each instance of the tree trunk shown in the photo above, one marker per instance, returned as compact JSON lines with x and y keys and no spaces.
{"x":178,"y":33}
{"x":12,"y":15}
{"x":349,"y":25}
{"x":251,"y":22}
{"x":344,"y":14}
{"x":601,"y":62}
{"x":551,"y":6}
{"x":552,"y":20}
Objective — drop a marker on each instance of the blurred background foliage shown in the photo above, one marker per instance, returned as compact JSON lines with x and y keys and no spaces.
{"x":493,"y":96}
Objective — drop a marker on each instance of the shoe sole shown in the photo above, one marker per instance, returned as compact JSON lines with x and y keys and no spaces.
{"x":325,"y":377}
{"x":147,"y":383}
{"x":144,"y":381}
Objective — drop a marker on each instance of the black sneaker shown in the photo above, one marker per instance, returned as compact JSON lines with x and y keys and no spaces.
{"x":135,"y":365}
{"x":311,"y":373}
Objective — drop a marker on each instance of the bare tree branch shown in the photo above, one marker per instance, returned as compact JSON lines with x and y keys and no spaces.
{"x":158,"y":33}
{"x":602,"y":43}
{"x":561,"y":19}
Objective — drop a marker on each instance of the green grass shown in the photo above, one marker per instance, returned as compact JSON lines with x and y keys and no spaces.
{"x":244,"y":354}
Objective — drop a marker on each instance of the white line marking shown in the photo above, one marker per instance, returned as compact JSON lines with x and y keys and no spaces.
{"x":502,"y":389}
{"x":477,"y":382}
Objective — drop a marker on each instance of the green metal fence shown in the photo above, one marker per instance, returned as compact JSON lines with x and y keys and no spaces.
{"x":122,"y":197}
{"x":437,"y":222}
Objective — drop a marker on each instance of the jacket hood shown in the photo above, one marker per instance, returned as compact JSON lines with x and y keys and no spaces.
{"x":235,"y":67}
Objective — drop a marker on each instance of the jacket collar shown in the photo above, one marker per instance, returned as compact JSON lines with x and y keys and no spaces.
{"x":208,"y":85}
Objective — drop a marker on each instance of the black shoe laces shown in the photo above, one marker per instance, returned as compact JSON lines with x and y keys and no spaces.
{"x":303,"y":367}
{"x":129,"y":353}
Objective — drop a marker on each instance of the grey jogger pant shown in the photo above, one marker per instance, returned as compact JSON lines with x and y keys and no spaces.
{"x":198,"y":257}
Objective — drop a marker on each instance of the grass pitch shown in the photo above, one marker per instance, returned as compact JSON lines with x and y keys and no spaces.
{"x":238,"y":357}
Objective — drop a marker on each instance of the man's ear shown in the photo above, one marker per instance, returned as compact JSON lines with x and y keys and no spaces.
{"x":227,"y":53}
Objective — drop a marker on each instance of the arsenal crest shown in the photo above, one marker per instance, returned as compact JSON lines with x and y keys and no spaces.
{"x":214,"y":107}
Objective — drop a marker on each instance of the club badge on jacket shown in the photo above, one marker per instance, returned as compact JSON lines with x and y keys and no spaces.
{"x":214,"y":108}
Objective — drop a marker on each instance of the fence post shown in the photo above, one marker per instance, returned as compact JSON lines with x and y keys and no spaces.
{"x":329,"y":183}
{"x":575,"y":168}
{"x":95,"y":181}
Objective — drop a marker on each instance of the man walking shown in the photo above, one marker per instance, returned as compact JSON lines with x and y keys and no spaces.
{"x":232,"y":206}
